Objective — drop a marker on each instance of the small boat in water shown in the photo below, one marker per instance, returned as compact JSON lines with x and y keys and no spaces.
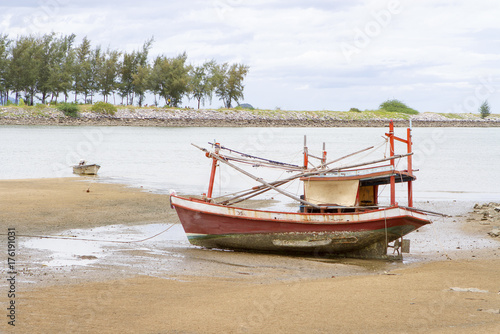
{"x":339,"y":212}
{"x":85,"y":169}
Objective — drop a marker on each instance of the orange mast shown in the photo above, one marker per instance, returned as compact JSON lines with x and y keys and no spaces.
{"x":391,"y":154}
{"x":408,"y":143}
{"x":212,"y":173}
{"x":410,"y":167}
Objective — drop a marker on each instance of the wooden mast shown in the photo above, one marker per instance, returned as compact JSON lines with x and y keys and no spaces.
{"x":212,"y":173}
{"x":410,"y":167}
{"x":408,"y":143}
{"x":391,"y":150}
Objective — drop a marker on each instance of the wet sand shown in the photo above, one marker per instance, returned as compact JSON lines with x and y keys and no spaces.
{"x":164,"y":285}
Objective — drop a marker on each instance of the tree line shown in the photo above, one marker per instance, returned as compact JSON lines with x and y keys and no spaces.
{"x":51,"y":68}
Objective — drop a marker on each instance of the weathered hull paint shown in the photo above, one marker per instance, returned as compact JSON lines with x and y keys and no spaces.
{"x":86,"y":169}
{"x":217,"y":226}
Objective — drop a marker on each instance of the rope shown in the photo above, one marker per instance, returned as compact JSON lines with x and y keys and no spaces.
{"x":245,"y":155}
{"x":385,"y":223}
{"x":438,"y":241}
{"x":396,"y":168}
{"x":254,"y":163}
{"x":96,"y":240}
{"x":91,"y":182}
{"x":371,"y":151}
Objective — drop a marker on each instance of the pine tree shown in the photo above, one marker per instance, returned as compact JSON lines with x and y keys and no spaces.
{"x":484,"y":110}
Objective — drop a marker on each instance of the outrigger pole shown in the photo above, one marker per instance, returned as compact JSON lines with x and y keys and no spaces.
{"x":246,"y":155}
{"x":262,"y":189}
{"x":258,"y":179}
{"x":273,"y":185}
{"x":341,"y":158}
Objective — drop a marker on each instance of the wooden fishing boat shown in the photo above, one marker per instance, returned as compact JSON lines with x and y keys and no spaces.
{"x":339,"y":212}
{"x":85,"y":169}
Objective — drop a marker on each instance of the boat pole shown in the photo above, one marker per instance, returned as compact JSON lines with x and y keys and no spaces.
{"x":264,"y":188}
{"x":323,"y":160}
{"x":410,"y":167}
{"x":342,"y":158}
{"x":258,"y":179}
{"x":212,"y":173}
{"x":391,"y":149}
{"x":306,"y":154}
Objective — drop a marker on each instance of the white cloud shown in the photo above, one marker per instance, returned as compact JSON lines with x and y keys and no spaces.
{"x":427,"y":53}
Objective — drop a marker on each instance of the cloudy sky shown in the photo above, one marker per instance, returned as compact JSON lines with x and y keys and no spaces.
{"x":435,"y":55}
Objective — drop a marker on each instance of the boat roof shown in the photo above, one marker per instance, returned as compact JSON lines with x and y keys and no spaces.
{"x":367,"y":176}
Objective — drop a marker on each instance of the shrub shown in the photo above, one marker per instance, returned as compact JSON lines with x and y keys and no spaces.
{"x":69,"y":109}
{"x":245,"y":106}
{"x":397,"y":106}
{"x":104,"y":108}
{"x":354,"y":110}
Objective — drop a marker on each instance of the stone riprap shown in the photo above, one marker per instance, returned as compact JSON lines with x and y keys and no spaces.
{"x":233,"y":117}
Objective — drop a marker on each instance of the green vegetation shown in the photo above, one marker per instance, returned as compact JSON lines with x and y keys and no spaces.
{"x":244,"y":106}
{"x":484,"y":110}
{"x":69,"y":109}
{"x":4,"y":62}
{"x":202,"y":82}
{"x":41,"y":110}
{"x":170,"y":79}
{"x":354,"y":110}
{"x":51,"y":67}
{"x":397,"y":106}
{"x":229,"y":82}
{"x":104,"y":108}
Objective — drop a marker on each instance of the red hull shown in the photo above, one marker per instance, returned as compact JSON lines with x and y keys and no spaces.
{"x":217,"y":226}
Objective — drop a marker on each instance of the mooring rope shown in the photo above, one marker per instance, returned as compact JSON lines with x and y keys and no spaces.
{"x":385,"y":223}
{"x":85,"y":239}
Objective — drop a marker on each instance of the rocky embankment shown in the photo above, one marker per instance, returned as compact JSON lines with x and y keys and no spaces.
{"x":233,"y":117}
{"x":488,"y":216}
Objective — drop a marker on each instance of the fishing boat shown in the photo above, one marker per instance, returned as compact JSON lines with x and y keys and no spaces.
{"x":338,"y":213}
{"x":85,"y":169}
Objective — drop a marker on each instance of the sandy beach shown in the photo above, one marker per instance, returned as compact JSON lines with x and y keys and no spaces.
{"x":158,"y":286}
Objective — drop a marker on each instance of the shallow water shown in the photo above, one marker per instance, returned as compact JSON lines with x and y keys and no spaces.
{"x":88,"y":246}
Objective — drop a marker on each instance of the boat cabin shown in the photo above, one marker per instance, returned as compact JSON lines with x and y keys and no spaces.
{"x":349,"y":190}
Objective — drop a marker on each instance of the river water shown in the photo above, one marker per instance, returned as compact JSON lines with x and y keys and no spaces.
{"x":453,"y":163}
